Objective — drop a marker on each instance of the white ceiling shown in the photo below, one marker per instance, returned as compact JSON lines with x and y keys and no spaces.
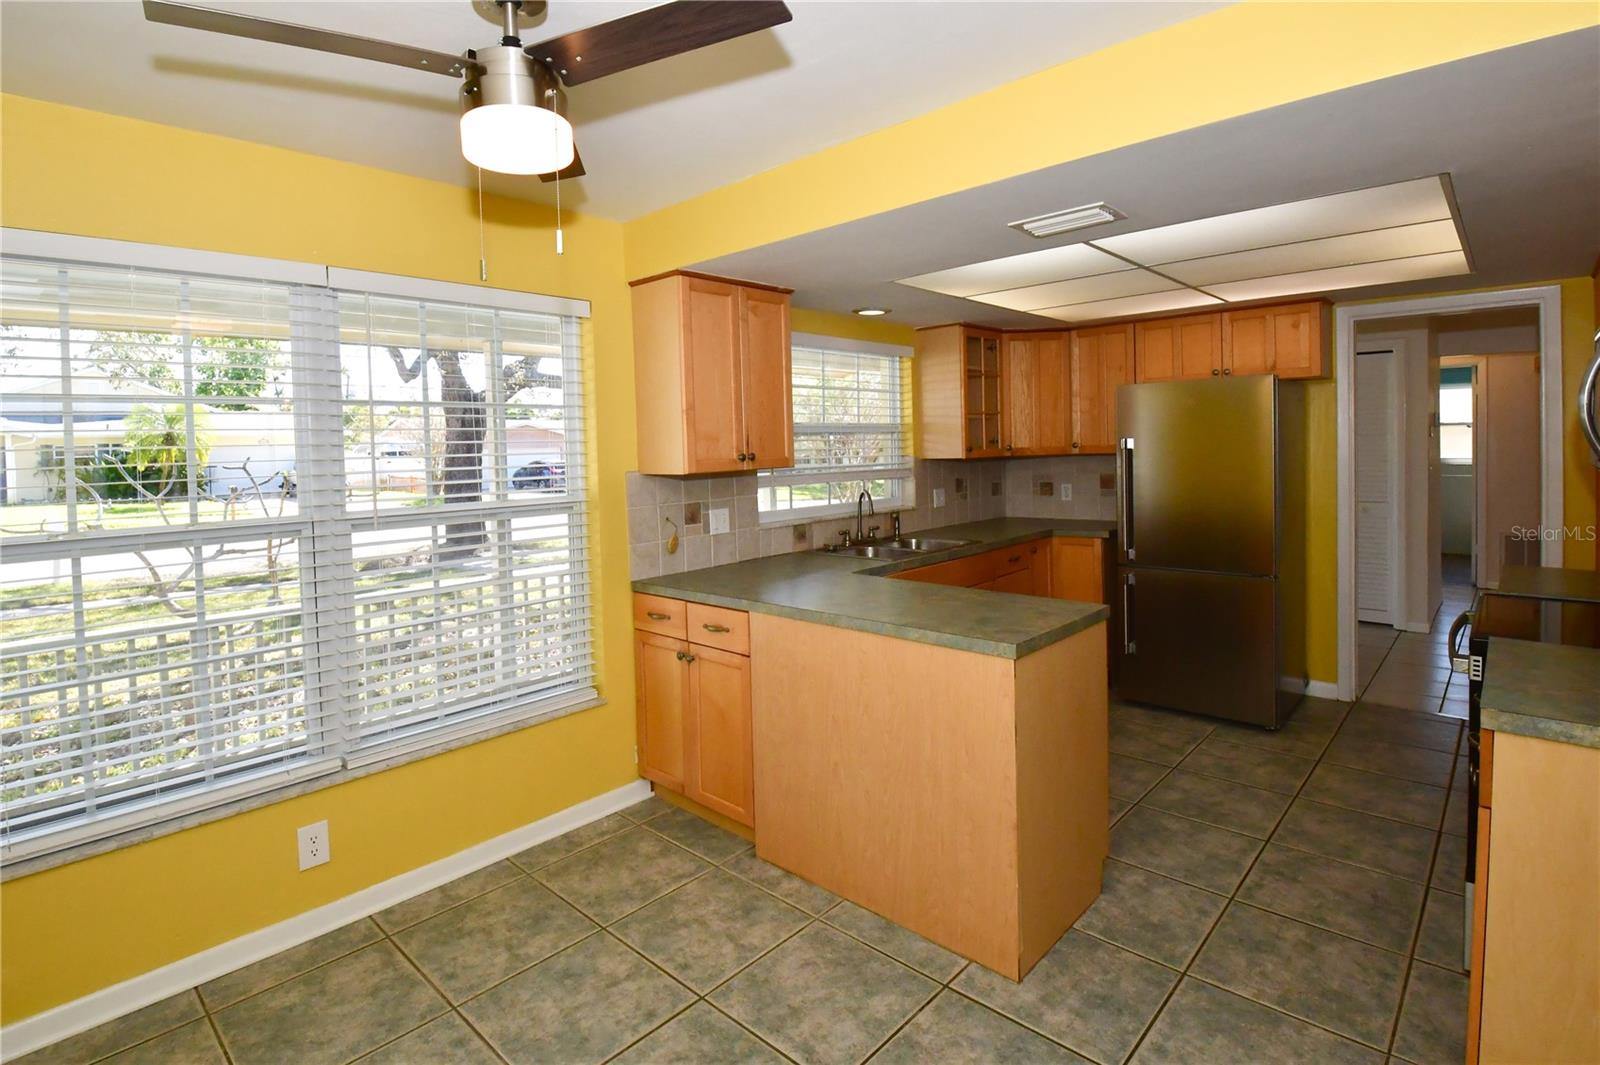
{"x":1397,"y":232}
{"x":649,"y":137}
{"x":1517,"y":131}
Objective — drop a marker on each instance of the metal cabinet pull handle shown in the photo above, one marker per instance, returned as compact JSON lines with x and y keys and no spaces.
{"x":1215,"y":371}
{"x":656,"y":615}
{"x":743,"y":457}
{"x":688,"y":658}
{"x":1125,"y":494}
{"x":1014,"y":558}
{"x":752,"y":456}
{"x":1228,"y":372}
{"x":715,"y":628}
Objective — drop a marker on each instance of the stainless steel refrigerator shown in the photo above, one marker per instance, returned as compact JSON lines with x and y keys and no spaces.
{"x":1211,"y":546}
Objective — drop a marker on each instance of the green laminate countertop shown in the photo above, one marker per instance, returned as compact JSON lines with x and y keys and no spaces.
{"x":854,"y":593}
{"x":1549,"y":582}
{"x":1547,"y":690}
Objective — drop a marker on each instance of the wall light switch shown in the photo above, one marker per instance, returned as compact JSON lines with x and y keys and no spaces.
{"x":1066,"y":491}
{"x":938,"y":497}
{"x":717,"y":520}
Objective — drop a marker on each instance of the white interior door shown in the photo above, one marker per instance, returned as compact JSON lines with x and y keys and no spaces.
{"x":1377,"y":395}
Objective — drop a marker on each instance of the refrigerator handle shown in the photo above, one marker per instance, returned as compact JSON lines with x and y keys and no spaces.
{"x":1128,"y":645}
{"x":1125,"y":494}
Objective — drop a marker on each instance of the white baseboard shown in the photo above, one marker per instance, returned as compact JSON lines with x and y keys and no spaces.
{"x":112,"y":1002}
{"x":1322,"y":689}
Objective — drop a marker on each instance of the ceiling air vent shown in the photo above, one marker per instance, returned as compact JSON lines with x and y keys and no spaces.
{"x":1048,"y":225}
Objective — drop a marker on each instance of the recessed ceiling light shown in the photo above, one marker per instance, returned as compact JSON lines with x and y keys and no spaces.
{"x":1048,"y":225}
{"x":871,"y":312}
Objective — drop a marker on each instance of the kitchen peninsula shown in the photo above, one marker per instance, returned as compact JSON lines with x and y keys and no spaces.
{"x":936,"y":754}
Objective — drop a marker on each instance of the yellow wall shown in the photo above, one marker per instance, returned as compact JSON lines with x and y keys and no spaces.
{"x":1234,"y":61}
{"x":80,"y":927}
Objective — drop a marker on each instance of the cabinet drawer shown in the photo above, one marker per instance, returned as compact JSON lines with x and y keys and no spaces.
{"x":716,"y":626}
{"x":966,"y":572}
{"x":658,"y":614}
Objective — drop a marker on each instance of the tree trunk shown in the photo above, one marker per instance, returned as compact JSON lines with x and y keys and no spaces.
{"x":466,"y":423}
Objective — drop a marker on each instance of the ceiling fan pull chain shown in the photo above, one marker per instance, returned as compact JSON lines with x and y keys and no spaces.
{"x":559,"y":249}
{"x":483,"y":258}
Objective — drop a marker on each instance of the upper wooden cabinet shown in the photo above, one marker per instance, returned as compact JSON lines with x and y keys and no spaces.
{"x":959,"y":393}
{"x":1102,"y":361}
{"x":711,"y":371}
{"x":1286,"y":340}
{"x":1037,"y":390}
{"x":1178,"y":349}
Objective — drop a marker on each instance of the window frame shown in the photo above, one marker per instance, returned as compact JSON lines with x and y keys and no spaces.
{"x":900,"y":474}
{"x":320,"y":764}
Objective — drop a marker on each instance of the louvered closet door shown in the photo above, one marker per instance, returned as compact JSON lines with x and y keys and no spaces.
{"x":1376,"y":441}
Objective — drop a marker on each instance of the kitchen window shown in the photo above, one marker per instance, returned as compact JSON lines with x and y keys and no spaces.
{"x":254,"y":531}
{"x":850,"y":414}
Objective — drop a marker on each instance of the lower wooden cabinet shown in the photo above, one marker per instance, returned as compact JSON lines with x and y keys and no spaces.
{"x":694,"y":715}
{"x":1534,"y":990}
{"x":1077,"y":569}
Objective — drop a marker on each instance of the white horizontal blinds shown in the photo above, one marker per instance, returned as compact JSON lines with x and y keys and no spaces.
{"x":252,"y":531}
{"x":849,"y":431}
{"x":152,"y":628}
{"x":463,"y":474}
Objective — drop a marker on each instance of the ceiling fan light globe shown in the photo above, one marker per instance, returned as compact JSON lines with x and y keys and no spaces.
{"x":516,"y":139}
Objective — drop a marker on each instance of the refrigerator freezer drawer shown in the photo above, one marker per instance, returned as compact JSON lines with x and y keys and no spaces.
{"x":1203,"y":642}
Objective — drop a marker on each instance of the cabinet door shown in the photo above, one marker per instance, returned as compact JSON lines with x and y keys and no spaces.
{"x":1077,"y":569}
{"x":1036,"y":394}
{"x":1040,"y":568}
{"x":1297,"y":340}
{"x":1020,"y":386}
{"x":1102,"y":361}
{"x":720,"y":753}
{"x":981,"y":399}
{"x":1247,"y":341}
{"x":1188,"y":348}
{"x":662,"y":699}
{"x":713,"y":386}
{"x":1020,"y":582}
{"x":768,"y":415}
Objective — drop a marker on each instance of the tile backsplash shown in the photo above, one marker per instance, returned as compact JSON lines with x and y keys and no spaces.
{"x":660,"y":506}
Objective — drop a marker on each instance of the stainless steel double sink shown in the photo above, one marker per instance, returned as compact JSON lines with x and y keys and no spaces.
{"x":904,"y":547}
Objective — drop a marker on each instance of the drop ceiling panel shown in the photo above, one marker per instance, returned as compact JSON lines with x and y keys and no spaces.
{"x":1080,"y":290}
{"x":1153,"y":303}
{"x":1416,"y":268}
{"x":1385,"y":206}
{"x":1424,"y":238}
{"x":1016,"y":271}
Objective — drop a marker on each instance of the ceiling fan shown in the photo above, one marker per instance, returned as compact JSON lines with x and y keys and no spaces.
{"x":513,"y":106}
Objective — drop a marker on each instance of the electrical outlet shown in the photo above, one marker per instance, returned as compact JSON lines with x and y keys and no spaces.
{"x":691,"y":514}
{"x":938,"y":497}
{"x":717,"y":520}
{"x":1046,"y":488}
{"x":1066,"y":491}
{"x":313,"y":845}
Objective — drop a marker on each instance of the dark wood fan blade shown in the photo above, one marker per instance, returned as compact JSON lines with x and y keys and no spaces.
{"x":266,"y":29}
{"x":574,"y":169}
{"x":660,"y":32}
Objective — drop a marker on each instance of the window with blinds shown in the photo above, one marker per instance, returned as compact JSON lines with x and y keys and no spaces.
{"x":252,"y":532}
{"x":849,"y":436}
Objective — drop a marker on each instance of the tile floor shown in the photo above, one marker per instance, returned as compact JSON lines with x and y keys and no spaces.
{"x":1270,"y":897}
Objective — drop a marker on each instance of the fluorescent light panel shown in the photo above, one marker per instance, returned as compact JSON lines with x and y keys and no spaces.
{"x":1416,"y":268}
{"x":1152,"y":303}
{"x":1422,"y":200}
{"x":1078,"y":290}
{"x":1015,"y":271}
{"x":1424,"y":238}
{"x":1392,"y":233}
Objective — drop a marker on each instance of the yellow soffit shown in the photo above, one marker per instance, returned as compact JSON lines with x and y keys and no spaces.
{"x":1230,"y":62}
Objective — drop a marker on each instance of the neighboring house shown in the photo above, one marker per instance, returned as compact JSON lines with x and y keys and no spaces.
{"x":33,"y":435}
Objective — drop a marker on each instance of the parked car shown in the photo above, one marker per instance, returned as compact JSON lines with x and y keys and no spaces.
{"x":539,"y":475}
